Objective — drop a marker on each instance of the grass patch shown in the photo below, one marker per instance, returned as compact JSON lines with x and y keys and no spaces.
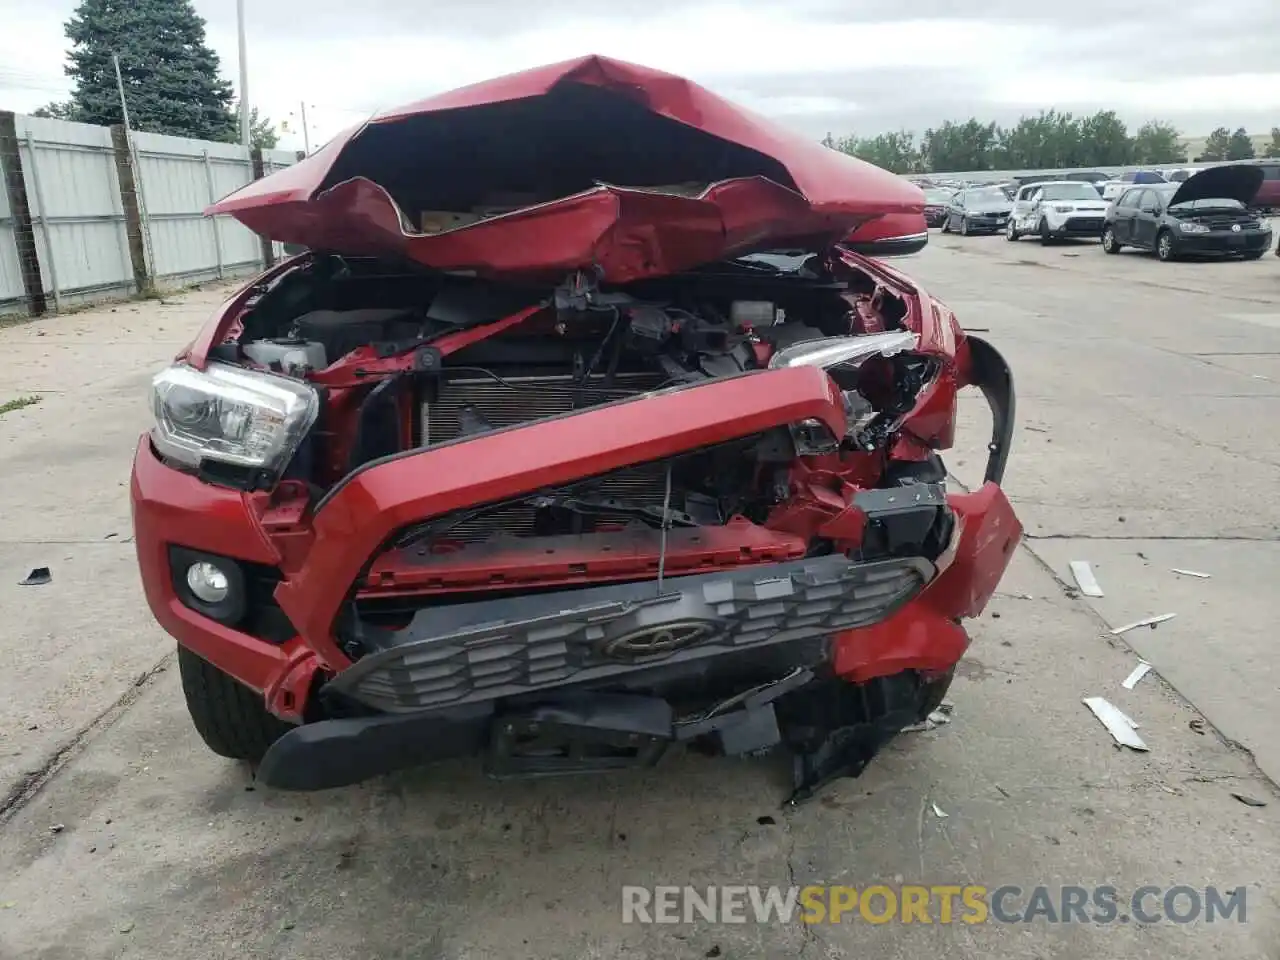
{"x":10,"y":405}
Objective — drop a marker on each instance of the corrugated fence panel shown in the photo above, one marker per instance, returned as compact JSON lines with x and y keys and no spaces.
{"x":12,"y":292}
{"x":273,"y":160}
{"x":76,"y":211}
{"x":176,"y":176}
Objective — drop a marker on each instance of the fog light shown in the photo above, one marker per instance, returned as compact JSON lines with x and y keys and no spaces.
{"x":208,"y":582}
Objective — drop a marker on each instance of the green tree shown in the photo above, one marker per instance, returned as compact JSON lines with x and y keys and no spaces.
{"x":262,"y":132}
{"x":1107,"y":139}
{"x":1273,"y":148}
{"x":960,"y":146}
{"x":1216,"y":145}
{"x":1157,"y":142}
{"x":1240,"y":146}
{"x":170,"y":74}
{"x":57,"y":110}
{"x":895,"y":152}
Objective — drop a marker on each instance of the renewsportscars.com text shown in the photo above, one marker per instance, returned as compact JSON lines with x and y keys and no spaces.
{"x":913,"y":903}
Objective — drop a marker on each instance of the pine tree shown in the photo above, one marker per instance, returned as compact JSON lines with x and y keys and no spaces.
{"x":170,"y":74}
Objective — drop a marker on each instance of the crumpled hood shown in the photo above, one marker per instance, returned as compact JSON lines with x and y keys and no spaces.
{"x":590,"y":162}
{"x":1234,"y":182}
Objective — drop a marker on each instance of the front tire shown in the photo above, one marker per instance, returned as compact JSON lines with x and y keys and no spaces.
{"x":1109,"y":242}
{"x":1165,"y":251}
{"x":964,"y":226}
{"x":1011,"y":231}
{"x":231,"y":719}
{"x":1046,"y":237}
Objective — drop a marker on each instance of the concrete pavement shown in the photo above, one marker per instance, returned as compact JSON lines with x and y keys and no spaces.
{"x":164,"y":851}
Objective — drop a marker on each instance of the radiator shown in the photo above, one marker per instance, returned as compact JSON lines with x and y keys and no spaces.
{"x":518,"y":400}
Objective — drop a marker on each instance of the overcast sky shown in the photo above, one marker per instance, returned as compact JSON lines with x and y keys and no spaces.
{"x":845,"y":66}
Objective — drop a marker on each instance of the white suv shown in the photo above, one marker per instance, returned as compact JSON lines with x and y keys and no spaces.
{"x":1056,"y":209}
{"x":1113,"y":188}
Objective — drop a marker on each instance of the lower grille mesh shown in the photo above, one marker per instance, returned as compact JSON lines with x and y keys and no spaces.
{"x":499,"y":648}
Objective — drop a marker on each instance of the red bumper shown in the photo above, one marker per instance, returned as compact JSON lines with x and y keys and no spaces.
{"x":323,"y":564}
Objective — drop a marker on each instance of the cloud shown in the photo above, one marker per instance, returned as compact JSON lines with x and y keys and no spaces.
{"x":842,"y":66}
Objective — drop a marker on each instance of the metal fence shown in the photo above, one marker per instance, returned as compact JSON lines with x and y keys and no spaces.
{"x":79,"y":215}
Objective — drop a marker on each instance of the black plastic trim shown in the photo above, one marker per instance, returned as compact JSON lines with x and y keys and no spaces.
{"x":991,"y":375}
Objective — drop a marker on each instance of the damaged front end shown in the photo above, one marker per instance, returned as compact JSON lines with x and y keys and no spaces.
{"x":687,"y":492}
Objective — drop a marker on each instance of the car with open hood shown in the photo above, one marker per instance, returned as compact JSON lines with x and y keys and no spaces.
{"x":1206,"y":215}
{"x":1055,"y":210}
{"x":936,"y":202}
{"x":978,"y":210}
{"x":577,"y":434}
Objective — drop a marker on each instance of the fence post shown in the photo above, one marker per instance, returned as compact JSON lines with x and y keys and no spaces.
{"x":24,"y":235}
{"x":268,"y":249}
{"x":44,"y":220}
{"x":213,"y":221}
{"x":132,"y":208}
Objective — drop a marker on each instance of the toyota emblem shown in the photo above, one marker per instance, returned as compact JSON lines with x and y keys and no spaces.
{"x":659,"y":640}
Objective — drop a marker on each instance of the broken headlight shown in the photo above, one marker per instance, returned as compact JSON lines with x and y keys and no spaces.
{"x":829,"y":352}
{"x":238,"y":417}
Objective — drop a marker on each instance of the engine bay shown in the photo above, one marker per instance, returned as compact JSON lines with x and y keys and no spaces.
{"x":337,"y":322}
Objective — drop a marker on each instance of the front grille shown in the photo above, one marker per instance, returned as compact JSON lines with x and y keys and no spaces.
{"x":517,"y":400}
{"x":1084,"y":223}
{"x":500,"y":648}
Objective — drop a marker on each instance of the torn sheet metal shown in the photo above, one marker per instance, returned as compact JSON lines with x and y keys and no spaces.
{"x":1140,"y":671}
{"x":939,"y":813}
{"x":1122,"y":729}
{"x":1082,"y":570}
{"x":1148,"y":622}
{"x":1192,"y":573}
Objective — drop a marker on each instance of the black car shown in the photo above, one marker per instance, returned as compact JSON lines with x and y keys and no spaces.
{"x":936,"y":202}
{"x":1205,"y":215}
{"x":978,"y":210}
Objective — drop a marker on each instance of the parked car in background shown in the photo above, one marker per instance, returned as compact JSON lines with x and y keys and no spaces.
{"x":978,"y":210}
{"x":1268,"y":196}
{"x":936,"y":202}
{"x":1206,"y":215}
{"x":1055,"y":210}
{"x":1094,"y":178}
{"x":1113,"y":188}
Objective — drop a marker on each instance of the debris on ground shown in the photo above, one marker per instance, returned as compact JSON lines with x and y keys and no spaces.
{"x":57,"y":828}
{"x":1140,"y":671}
{"x":937,"y":718}
{"x":37,"y":577}
{"x":1192,"y":573}
{"x":1122,"y":729}
{"x":1249,"y":801}
{"x":1197,"y":725}
{"x":1082,"y":570}
{"x":1151,"y":622}
{"x":938,"y":812}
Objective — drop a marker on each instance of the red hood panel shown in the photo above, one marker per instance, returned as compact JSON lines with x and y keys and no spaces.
{"x":578,"y":152}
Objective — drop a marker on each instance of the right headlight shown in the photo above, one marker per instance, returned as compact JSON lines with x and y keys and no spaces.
{"x":851,"y":351}
{"x":234,"y":416}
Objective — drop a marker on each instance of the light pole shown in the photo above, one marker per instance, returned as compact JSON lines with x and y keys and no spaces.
{"x":245,"y":127}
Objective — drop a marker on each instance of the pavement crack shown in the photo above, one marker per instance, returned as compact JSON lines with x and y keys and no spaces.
{"x":806,"y":929}
{"x":34,"y":780}
{"x":1139,"y":536}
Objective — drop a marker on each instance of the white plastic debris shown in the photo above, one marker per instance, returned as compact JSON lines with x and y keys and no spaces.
{"x":936,"y":719}
{"x":938,"y":812}
{"x":1082,"y":570}
{"x":1122,"y":729}
{"x":1140,"y":671}
{"x":1192,"y":573}
{"x":1148,"y":622}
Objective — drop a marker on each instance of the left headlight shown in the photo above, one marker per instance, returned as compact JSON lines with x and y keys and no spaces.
{"x":234,"y":416}
{"x":1188,"y":227}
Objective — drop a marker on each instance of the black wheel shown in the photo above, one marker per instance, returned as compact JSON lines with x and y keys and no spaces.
{"x":1109,"y":242}
{"x":1011,"y":231}
{"x":1043,"y":229}
{"x":231,"y":719}
{"x":1253,"y":255}
{"x":1164,"y":246}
